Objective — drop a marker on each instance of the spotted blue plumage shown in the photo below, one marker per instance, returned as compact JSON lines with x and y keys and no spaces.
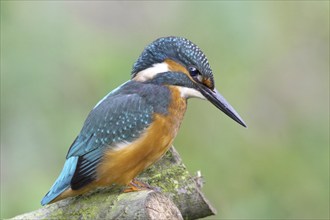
{"x":122,"y":116}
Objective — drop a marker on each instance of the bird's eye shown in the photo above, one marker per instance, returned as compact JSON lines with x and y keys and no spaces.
{"x":193,"y":71}
{"x":195,"y":74}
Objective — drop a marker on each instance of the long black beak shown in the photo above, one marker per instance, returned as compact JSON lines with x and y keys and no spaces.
{"x":221,"y":103}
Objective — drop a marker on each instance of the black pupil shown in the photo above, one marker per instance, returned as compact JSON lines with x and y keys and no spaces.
{"x":193,"y":71}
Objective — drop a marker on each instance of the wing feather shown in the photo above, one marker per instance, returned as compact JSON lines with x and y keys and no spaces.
{"x":117,"y":119}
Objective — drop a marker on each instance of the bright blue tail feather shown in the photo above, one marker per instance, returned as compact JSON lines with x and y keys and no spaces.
{"x":63,"y":181}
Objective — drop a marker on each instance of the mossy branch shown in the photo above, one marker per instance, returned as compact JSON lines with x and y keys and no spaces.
{"x":179,"y":197}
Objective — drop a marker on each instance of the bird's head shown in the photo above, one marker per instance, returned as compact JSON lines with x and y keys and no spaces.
{"x":178,"y":62}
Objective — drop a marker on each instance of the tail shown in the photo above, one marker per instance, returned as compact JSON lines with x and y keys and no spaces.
{"x":63,"y":181}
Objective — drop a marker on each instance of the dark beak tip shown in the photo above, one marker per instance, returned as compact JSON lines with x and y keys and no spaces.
{"x":238,"y":119}
{"x":229,"y":110}
{"x":243,"y":124}
{"x":221,"y":103}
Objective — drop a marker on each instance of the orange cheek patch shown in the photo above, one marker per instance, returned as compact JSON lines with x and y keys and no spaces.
{"x":176,"y":67}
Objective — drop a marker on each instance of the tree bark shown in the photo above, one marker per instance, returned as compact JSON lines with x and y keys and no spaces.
{"x":178,"y":196}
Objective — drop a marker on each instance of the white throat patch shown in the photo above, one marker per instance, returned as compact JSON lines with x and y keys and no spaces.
{"x":151,"y":72}
{"x":190,"y":93}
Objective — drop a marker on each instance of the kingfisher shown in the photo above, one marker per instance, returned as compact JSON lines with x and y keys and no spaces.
{"x":136,"y":123}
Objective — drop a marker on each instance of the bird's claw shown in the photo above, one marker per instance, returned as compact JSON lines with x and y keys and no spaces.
{"x":137,"y":185}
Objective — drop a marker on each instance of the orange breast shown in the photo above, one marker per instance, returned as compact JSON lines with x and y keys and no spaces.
{"x":122,"y":165}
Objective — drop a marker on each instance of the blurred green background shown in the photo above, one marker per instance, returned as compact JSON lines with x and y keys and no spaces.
{"x":270,"y":60}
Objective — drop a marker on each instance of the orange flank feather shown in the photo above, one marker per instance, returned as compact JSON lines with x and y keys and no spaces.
{"x":119,"y":166}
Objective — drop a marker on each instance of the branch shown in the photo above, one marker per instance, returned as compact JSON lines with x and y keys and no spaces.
{"x":180,"y":197}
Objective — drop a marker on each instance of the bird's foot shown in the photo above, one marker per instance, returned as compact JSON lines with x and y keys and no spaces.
{"x":136,"y":185}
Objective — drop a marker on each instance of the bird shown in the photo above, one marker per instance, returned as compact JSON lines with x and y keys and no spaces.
{"x":134,"y":125}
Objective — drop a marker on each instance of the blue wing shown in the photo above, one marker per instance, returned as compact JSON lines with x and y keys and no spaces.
{"x":120,"y":116}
